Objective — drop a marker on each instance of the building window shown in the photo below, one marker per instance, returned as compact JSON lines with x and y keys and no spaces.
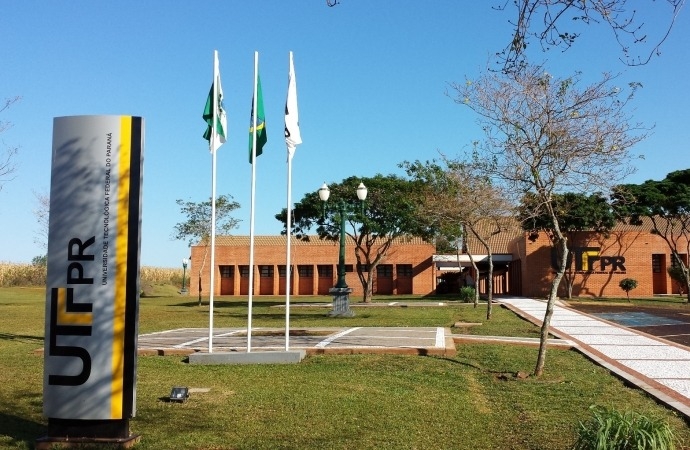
{"x":266,"y":271}
{"x":281,"y":271}
{"x":244,"y":271}
{"x":384,"y":270}
{"x":305,"y":271}
{"x":226,"y":271}
{"x":325,"y":271}
{"x":674,"y":260}
{"x":349,"y":268}
{"x":404,"y":270}
{"x":656,"y":263}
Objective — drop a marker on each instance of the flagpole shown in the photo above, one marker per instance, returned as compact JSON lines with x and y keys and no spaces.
{"x":288,"y":273}
{"x":212,"y":142}
{"x":251,"y":213}
{"x":292,"y":139}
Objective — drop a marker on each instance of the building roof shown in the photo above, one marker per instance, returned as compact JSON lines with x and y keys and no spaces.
{"x":509,"y":230}
{"x":277,"y":240}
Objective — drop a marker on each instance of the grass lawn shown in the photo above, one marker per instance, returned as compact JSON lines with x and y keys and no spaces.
{"x":471,"y":401}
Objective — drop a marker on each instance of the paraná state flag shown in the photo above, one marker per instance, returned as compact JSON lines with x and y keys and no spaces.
{"x":217,"y":110}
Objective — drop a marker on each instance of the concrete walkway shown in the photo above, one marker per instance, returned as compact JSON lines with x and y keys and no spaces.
{"x":660,"y":367}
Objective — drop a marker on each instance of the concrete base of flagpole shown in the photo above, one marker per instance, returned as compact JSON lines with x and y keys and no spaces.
{"x":341,"y":302}
{"x":261,"y":357}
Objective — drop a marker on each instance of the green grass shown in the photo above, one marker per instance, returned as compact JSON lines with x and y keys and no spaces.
{"x":471,"y":401}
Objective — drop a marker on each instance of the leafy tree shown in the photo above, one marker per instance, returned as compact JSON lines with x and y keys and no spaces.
{"x":197,"y":226}
{"x":666,"y":205}
{"x":677,"y":275}
{"x":459,"y":195}
{"x":628,"y":284}
{"x":576,"y":212}
{"x":544,"y":136}
{"x":7,"y":154}
{"x":388,"y":213}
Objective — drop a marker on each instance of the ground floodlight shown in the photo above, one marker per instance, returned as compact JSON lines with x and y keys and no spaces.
{"x":179,"y":394}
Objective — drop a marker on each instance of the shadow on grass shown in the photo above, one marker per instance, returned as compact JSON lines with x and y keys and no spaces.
{"x":22,"y":432}
{"x":20,"y":337}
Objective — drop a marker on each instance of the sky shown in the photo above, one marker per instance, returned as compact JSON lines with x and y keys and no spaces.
{"x":373,"y":88}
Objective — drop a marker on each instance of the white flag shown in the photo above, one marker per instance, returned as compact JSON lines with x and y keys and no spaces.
{"x":292,"y":134}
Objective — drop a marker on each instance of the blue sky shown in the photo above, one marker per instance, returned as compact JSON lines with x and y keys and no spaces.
{"x":372,"y":81}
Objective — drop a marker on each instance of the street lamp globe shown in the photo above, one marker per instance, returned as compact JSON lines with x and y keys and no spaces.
{"x":324,"y":192}
{"x":362,"y":192}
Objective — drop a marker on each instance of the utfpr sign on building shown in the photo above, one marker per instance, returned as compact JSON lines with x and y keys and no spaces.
{"x":590,"y":260}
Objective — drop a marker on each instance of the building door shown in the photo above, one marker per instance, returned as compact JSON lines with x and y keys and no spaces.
{"x":305,"y":275}
{"x":384,"y":279}
{"x":282,"y":281}
{"x":325,"y":279}
{"x":404,"y":278}
{"x":244,"y":280}
{"x":265,"y":280}
{"x":659,"y":274}
{"x":227,"y":280}
{"x":678,"y":288}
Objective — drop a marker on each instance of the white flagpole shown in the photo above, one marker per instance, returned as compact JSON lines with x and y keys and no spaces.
{"x":255,"y":113}
{"x":288,"y":273}
{"x":212,"y":142}
{"x":291,"y":141}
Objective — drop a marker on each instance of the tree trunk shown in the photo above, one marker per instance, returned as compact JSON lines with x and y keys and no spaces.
{"x":553,"y":295}
{"x":490,"y":288}
{"x":201,"y":269}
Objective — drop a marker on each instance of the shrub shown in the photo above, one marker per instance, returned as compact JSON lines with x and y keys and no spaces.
{"x":628,"y":284}
{"x":610,"y":429}
{"x":677,"y":275}
{"x":467,"y":294}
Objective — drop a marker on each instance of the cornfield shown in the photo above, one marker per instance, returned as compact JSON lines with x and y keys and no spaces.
{"x":26,"y":275}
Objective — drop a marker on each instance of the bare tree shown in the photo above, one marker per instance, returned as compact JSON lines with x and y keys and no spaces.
{"x":546,"y":135}
{"x":559,"y":23}
{"x":458,"y":194}
{"x":42,"y":215}
{"x":7,"y":153}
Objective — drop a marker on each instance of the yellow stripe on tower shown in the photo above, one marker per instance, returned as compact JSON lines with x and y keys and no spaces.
{"x":121,"y":267}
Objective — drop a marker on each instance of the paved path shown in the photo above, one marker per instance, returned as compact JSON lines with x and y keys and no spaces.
{"x":659,"y":366}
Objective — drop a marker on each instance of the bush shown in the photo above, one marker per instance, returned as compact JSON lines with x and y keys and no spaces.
{"x":467,"y":294}
{"x":612,"y":430}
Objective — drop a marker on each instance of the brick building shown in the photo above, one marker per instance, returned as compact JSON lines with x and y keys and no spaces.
{"x":523,"y":265}
{"x":407,"y":269}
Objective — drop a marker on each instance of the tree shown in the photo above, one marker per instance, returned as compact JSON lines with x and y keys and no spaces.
{"x":197,"y":226}
{"x":7,"y":154}
{"x":666,"y":205}
{"x":544,"y":136}
{"x":555,"y":24}
{"x":577,"y":212}
{"x":628,"y":284}
{"x":388,"y":214}
{"x":42,"y":215}
{"x":458,"y":195}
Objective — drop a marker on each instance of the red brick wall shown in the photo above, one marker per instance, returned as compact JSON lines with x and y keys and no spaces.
{"x":271,"y":250}
{"x":636,"y":247}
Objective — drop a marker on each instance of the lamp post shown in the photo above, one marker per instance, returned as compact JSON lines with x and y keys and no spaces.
{"x":341,"y":292}
{"x":185,"y":261}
